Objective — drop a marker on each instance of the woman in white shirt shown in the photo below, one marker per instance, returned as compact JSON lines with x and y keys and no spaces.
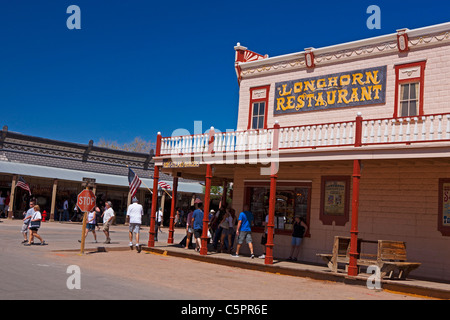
{"x":35,"y":223}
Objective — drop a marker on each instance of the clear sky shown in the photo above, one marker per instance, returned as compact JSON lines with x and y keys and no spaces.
{"x":137,"y":67}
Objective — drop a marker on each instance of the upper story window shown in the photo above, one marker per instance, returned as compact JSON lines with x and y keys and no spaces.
{"x":409,"y":89}
{"x":258,"y":116}
{"x":259,"y":101}
{"x":409,"y":99}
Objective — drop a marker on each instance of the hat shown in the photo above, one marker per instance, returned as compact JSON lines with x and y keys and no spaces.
{"x":135,"y":199}
{"x":109,"y":203}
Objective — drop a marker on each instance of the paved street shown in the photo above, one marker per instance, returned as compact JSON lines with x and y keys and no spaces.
{"x":40,"y":272}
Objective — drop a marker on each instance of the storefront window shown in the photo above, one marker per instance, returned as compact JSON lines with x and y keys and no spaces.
{"x":291,"y":201}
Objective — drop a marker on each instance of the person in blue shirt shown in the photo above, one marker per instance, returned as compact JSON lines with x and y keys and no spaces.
{"x":244,"y":231}
{"x":197,"y":217}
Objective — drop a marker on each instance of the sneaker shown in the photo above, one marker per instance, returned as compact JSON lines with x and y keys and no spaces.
{"x":131,"y":245}
{"x":235,"y":255}
{"x":43,"y":243}
{"x":263,"y":256}
{"x":138,"y":248}
{"x":252,"y":256}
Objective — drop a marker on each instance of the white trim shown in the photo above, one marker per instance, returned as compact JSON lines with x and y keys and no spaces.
{"x":348,"y":45}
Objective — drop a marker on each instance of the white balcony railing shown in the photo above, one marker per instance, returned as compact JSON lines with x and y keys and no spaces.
{"x":358,"y":132}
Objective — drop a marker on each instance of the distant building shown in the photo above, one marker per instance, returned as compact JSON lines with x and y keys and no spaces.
{"x":57,"y":171}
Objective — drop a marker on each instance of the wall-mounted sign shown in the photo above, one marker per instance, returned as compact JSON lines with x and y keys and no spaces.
{"x":180,"y":164}
{"x":345,"y":89}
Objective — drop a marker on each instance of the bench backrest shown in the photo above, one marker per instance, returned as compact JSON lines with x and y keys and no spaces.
{"x":391,"y":250}
{"x":341,"y":246}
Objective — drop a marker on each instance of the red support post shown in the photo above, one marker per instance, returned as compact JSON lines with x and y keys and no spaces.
{"x":172,"y":210}
{"x":358,"y":130}
{"x":151,"y":238}
{"x":272,"y":197}
{"x":204,"y":237}
{"x":204,"y":247}
{"x":354,"y":254}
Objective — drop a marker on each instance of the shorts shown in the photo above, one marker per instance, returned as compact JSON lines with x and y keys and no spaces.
{"x":135,"y":227}
{"x":106,"y":226}
{"x":25,"y":227}
{"x":190,"y":230}
{"x":198,"y":233}
{"x":34,"y":229}
{"x":245,"y":235}
{"x":296,"y":241}
{"x":90,"y":227}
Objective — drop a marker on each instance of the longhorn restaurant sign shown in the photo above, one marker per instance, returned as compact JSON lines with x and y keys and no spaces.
{"x":345,"y":89}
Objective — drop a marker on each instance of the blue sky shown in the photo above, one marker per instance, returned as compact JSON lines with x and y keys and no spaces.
{"x":138,"y":67}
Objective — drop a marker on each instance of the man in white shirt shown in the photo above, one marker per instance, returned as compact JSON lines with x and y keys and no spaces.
{"x":108,"y":216}
{"x":134,"y":217}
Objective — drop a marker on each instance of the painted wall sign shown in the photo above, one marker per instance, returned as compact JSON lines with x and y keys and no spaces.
{"x":345,"y":89}
{"x":180,"y":164}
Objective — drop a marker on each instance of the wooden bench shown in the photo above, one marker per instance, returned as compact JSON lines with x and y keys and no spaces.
{"x":390,"y":257}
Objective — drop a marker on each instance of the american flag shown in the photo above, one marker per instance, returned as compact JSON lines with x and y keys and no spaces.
{"x":164,"y":185}
{"x":23,"y":184}
{"x":134,"y":182}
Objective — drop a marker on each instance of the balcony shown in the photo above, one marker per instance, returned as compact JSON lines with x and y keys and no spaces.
{"x":349,"y":137}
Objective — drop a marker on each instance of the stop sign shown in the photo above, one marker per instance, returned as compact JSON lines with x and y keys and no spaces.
{"x":86,"y":200}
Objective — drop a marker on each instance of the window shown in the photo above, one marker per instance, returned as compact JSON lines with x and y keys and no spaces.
{"x":259,"y":101}
{"x":258,"y":116}
{"x":409,"y":99}
{"x":409,"y":89}
{"x":292,"y":199}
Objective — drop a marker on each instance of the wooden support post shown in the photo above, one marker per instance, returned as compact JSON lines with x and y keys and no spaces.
{"x":52,"y":208}
{"x":352,"y":267}
{"x":151,"y":239}
{"x":172,"y":210}
{"x":11,"y":197}
{"x":204,"y":248}
{"x":272,"y":196}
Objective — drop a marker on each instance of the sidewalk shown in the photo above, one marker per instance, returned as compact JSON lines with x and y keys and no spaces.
{"x":63,"y":237}
{"x":299,"y":269}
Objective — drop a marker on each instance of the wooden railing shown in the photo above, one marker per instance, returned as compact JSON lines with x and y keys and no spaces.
{"x":358,"y":133}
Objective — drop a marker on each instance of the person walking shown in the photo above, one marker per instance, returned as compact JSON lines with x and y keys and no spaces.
{"x":134,"y":217}
{"x":198,"y":226}
{"x":26,"y":221}
{"x":35,"y":224}
{"x":244,"y":231}
{"x":299,"y":230}
{"x":65,"y":216}
{"x":158,"y":221}
{"x":189,"y":228}
{"x":227,"y":227}
{"x":90,"y":224}
{"x":108,"y":216}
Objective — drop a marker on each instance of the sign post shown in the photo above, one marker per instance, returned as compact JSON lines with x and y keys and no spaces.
{"x":85,"y":202}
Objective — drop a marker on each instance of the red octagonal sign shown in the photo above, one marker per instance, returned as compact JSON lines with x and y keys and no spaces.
{"x":86,"y":200}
